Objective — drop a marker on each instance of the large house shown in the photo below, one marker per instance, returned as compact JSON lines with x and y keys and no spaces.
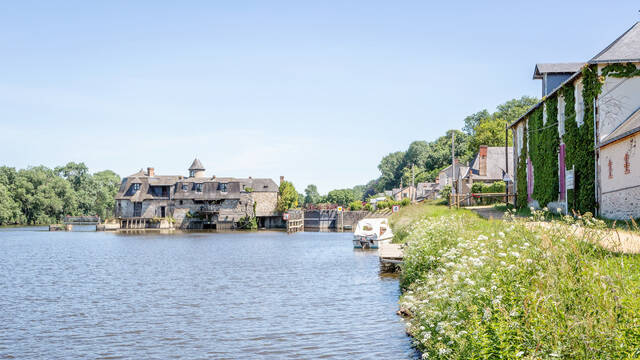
{"x":196,"y":201}
{"x":577,"y":149}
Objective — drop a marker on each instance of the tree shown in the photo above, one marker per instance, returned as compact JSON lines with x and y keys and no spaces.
{"x":287,"y":197}
{"x":513,"y":109}
{"x":490,"y":133}
{"x":471,"y":121}
{"x":341,"y":196}
{"x":391,"y":166}
{"x":311,"y":194}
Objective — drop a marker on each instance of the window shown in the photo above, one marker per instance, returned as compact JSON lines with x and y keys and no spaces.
{"x":627,"y":165}
{"x":610,"y":169}
{"x":135,"y":187}
{"x":222,"y":187}
{"x":185,"y":187}
{"x":197,"y":187}
{"x":137,"y":209}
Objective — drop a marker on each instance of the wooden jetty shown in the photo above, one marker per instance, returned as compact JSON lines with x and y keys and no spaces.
{"x":391,"y":256}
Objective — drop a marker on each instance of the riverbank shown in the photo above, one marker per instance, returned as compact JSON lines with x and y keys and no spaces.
{"x":477,"y":288}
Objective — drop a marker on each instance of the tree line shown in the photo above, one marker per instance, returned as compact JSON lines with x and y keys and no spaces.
{"x":423,"y":160}
{"x":40,"y":195}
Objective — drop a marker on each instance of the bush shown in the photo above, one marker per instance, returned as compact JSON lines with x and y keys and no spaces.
{"x":368,"y":207}
{"x":505,"y":290}
{"x":405,"y":202}
{"x":445,"y":193}
{"x":382,"y":205}
{"x":248,"y":223}
{"x":355,"y":205}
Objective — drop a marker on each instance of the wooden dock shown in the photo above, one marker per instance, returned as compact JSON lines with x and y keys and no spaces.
{"x":391,"y":256}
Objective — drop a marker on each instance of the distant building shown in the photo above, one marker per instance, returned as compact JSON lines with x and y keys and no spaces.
{"x":407,"y":192}
{"x":196,"y":201}
{"x":426,"y":191}
{"x":489,"y":165}
{"x":446,"y":177}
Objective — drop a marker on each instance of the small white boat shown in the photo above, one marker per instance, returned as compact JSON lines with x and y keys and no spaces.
{"x":370,"y":233}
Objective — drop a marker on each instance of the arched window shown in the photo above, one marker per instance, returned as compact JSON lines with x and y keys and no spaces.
{"x":627,"y":165}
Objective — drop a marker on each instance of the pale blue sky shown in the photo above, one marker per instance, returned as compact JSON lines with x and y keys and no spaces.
{"x":315,"y":91}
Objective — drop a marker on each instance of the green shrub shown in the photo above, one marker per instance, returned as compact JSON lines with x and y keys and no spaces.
{"x":405,"y":202}
{"x":445,"y":193}
{"x":368,"y":207}
{"x":355,"y":205}
{"x":248,"y":223}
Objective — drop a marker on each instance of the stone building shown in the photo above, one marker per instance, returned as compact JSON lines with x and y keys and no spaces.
{"x":196,"y":201}
{"x":609,"y":118}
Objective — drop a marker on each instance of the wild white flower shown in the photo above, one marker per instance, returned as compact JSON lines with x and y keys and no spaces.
{"x":519,"y":353}
{"x":515,"y":254}
{"x":501,"y":234}
{"x":503,"y":263}
{"x":482,"y":238}
{"x":529,"y":261}
{"x":502,"y":254}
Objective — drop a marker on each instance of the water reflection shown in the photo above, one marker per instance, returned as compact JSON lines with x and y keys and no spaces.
{"x":195,"y":295}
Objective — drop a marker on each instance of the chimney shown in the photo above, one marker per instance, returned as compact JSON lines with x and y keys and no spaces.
{"x":281,"y":179}
{"x":151,"y":171}
{"x":482,"y":160}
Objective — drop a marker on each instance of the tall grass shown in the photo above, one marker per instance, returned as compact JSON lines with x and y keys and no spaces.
{"x":478,"y":289}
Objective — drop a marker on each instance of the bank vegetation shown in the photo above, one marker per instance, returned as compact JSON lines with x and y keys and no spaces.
{"x":480,"y":289}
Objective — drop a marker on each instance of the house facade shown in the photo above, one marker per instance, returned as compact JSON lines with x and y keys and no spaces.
{"x":195,"y":201}
{"x":576,"y":149}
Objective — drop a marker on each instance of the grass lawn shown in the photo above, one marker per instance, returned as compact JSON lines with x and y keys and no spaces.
{"x":480,"y":289}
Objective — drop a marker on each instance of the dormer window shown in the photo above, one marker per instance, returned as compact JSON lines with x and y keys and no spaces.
{"x":135,"y":187}
{"x":222,"y":187}
{"x":192,"y":173}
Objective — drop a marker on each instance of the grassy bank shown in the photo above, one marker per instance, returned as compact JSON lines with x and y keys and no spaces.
{"x":478,"y":289}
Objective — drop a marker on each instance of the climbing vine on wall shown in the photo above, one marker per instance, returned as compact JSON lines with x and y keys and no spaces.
{"x":620,"y":70}
{"x":521,"y":174}
{"x":543,"y":151}
{"x":579,"y":141}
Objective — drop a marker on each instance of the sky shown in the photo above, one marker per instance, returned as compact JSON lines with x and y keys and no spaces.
{"x":317,"y":92}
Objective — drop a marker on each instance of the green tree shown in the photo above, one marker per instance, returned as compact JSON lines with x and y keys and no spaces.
{"x":311,"y":194}
{"x":513,"y":109}
{"x":287,"y":197}
{"x":471,"y":121}
{"x":341,"y":196}
{"x":391,"y":168}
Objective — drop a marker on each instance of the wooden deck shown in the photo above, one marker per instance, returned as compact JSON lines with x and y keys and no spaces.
{"x":391,"y":256}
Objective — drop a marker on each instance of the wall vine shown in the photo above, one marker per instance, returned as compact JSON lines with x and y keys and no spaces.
{"x":521,"y":173}
{"x":544,"y":141}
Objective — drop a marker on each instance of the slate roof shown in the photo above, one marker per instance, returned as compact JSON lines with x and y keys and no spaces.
{"x":557,"y":68}
{"x":628,"y":127}
{"x":625,"y":48}
{"x":196,"y":165}
{"x":495,"y":164}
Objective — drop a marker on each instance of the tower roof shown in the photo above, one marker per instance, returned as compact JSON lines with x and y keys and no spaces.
{"x":196,"y":165}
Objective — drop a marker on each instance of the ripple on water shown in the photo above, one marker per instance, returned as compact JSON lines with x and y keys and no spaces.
{"x":232,"y":295}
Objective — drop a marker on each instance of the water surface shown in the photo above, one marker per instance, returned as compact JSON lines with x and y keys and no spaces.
{"x":194,"y":295}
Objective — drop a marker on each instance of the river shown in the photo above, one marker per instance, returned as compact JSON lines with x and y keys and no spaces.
{"x":254,"y":295}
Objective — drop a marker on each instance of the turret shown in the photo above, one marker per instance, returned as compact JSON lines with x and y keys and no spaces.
{"x":196,"y":169}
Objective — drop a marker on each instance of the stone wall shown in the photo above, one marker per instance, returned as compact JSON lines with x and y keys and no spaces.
{"x":621,"y":204}
{"x":266,"y":203}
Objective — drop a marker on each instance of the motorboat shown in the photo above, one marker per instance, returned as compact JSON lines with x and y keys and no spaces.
{"x":370,"y":233}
